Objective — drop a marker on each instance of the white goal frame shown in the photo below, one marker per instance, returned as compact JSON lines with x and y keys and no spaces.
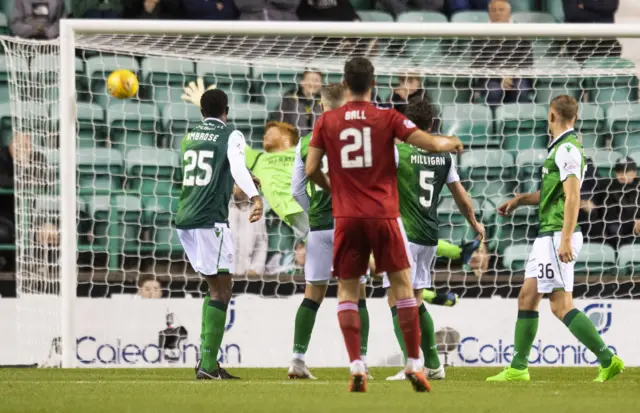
{"x":70,"y":28}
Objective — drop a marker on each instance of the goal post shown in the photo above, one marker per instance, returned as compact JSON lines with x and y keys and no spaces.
{"x":254,"y":62}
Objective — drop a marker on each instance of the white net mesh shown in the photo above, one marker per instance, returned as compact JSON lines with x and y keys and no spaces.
{"x":128,"y":166}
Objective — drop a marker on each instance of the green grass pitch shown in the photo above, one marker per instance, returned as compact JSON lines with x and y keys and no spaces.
{"x":553,"y":390}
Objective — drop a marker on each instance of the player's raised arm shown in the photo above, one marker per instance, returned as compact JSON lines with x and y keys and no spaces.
{"x":299,"y":181}
{"x":463,"y":200}
{"x":434,"y":143}
{"x":508,"y":207}
{"x":241,"y":175}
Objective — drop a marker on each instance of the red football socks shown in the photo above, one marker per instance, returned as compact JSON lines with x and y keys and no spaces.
{"x":410,"y":326}
{"x":349,"y":320}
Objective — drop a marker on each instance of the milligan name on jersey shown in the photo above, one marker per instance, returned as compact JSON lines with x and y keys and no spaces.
{"x":354,"y":115}
{"x":428,"y":160}
{"x":200,"y":136}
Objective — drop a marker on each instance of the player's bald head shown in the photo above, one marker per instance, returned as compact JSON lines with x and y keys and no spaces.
{"x":332,"y":96}
{"x":214,"y":104}
{"x":359,"y":75}
{"x":420,"y":112}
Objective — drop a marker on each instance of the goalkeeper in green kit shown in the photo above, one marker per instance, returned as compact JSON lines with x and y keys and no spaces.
{"x":550,"y":267}
{"x":212,"y":159}
{"x":273,"y":167}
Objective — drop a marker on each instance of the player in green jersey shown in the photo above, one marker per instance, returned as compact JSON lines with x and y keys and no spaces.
{"x":421,"y":177}
{"x":273,"y":167}
{"x":317,"y":270}
{"x":212,"y":159}
{"x":550,"y":267}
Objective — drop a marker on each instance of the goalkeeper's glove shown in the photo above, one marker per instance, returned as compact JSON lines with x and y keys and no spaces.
{"x":194,"y":91}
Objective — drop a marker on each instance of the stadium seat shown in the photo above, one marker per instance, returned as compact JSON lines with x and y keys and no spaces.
{"x":556,"y":9}
{"x":21,"y":67}
{"x":362,"y":4}
{"x":34,"y":116}
{"x":590,"y":124}
{"x":515,"y":256}
{"x":603,"y":160}
{"x":522,"y":5}
{"x":163,"y":238}
{"x":532,"y":17}
{"x":98,"y":69}
{"x":529,"y":163}
{"x":522,"y":126}
{"x":374,"y":16}
{"x":519,"y":227}
{"x":45,"y":71}
{"x":596,"y":259}
{"x":162,"y":96}
{"x":490,"y":172}
{"x":623,"y":123}
{"x":422,"y":16}
{"x":444,"y":89}
{"x":470,"y":17}
{"x":629,"y":259}
{"x":177,"y":120}
{"x":133,"y":124}
{"x":234,"y":79}
{"x":91,"y":125}
{"x":167,"y":72}
{"x":473,"y":124}
{"x":153,"y":172}
{"x":546,"y":88}
{"x":100,"y":170}
{"x":117,"y":225}
{"x":6,"y":133}
{"x":609,"y":90}
{"x":249,"y":119}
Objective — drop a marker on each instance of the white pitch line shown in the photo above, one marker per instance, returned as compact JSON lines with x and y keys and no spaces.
{"x":235,"y":382}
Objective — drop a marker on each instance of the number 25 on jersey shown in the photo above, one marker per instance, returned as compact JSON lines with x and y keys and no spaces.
{"x":361,"y":140}
{"x":196,"y":162}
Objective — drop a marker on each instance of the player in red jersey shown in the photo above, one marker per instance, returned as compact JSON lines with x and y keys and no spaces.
{"x":358,"y":140}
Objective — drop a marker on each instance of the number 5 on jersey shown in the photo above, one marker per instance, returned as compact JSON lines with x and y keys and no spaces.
{"x":197,"y":160}
{"x":361,"y":140}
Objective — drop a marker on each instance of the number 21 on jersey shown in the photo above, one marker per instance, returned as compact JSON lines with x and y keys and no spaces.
{"x":197,"y":160}
{"x":361,"y":140}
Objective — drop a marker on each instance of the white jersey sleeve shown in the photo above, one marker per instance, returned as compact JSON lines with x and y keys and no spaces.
{"x":239,"y":171}
{"x":453,"y":171}
{"x":299,"y":182}
{"x":569,"y":161}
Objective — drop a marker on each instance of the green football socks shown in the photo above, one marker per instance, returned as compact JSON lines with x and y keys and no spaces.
{"x":428,"y":339}
{"x":205,"y":304}
{"x":364,"y":326}
{"x":448,"y":250}
{"x":398,"y":332}
{"x":526,"y":330}
{"x":583,"y":329}
{"x":305,"y":320}
{"x":215,"y":320}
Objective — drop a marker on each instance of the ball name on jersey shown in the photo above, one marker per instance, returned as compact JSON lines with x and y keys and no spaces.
{"x":354,"y":115}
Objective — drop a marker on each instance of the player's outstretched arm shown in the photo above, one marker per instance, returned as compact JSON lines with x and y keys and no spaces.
{"x":523,"y":199}
{"x":194,"y":90}
{"x":299,"y":182}
{"x":433,"y":143}
{"x":463,"y":201}
{"x":241,"y":175}
{"x":312,"y":168}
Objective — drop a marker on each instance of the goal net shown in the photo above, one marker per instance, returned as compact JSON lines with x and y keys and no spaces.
{"x":493,"y":91}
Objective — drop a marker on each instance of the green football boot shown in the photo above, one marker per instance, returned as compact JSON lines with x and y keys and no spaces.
{"x":511,"y":374}
{"x":616,"y":367}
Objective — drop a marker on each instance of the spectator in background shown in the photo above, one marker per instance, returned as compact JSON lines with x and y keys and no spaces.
{"x":591,"y":11}
{"x":97,"y":9}
{"x":288,"y":262}
{"x":188,"y":9}
{"x":409,"y":87}
{"x":267,"y":9}
{"x":326,"y":10}
{"x":301,"y":106}
{"x":149,"y":287}
{"x":33,"y":19}
{"x":252,"y":244}
{"x":590,"y":215}
{"x":397,"y":7}
{"x":154,"y":9}
{"x":496,"y":54}
{"x":621,"y":199}
{"x":464,"y":5}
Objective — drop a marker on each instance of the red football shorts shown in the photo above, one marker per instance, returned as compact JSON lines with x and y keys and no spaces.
{"x":356,"y":238}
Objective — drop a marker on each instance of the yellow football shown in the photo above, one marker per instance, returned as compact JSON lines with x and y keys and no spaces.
{"x":122,"y":84}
